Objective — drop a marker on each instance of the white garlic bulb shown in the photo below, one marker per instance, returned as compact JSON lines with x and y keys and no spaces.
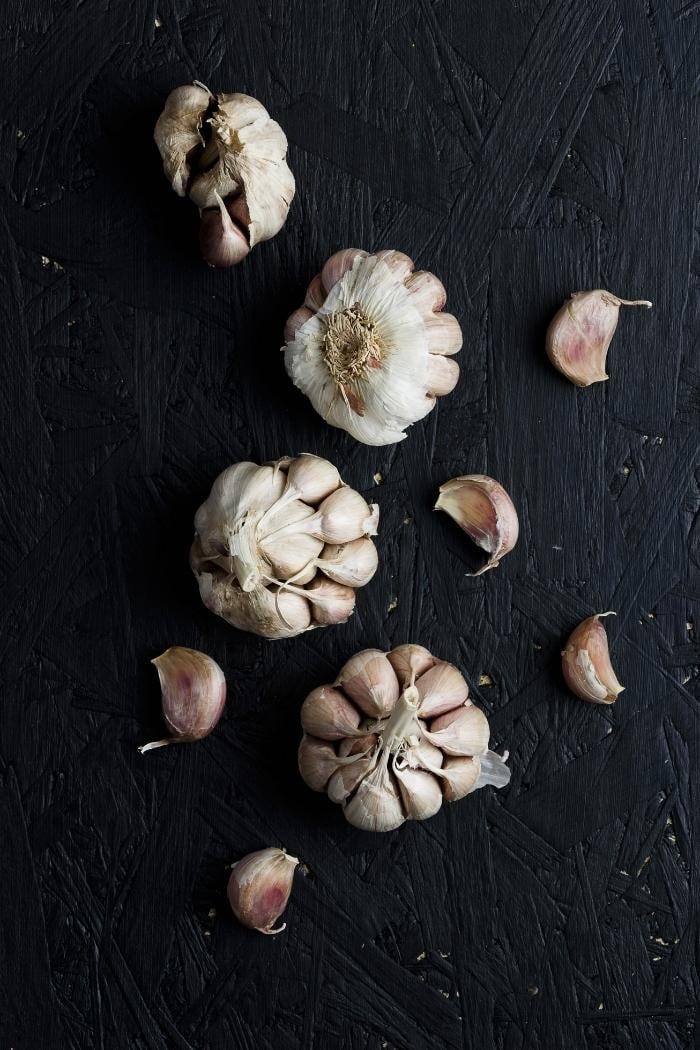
{"x":229,"y":156}
{"x":280,"y":548}
{"x":370,"y":347}
{"x":395,"y":735}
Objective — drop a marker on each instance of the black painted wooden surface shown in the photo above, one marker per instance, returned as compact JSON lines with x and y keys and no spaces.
{"x":520,"y":149}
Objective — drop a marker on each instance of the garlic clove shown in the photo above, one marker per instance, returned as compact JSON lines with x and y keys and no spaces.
{"x":353,"y":564}
{"x":424,"y":755}
{"x":337,"y":265}
{"x":271,"y":614}
{"x":178,"y":132}
{"x":315,"y":294}
{"x":580,"y":333}
{"x":345,"y":780}
{"x":410,"y":662}
{"x":345,"y":516}
{"x":295,"y":321}
{"x":443,"y":334}
{"x":359,"y":745}
{"x":330,"y":602}
{"x":398,"y":262}
{"x":369,"y":679}
{"x":586,"y":663}
{"x":326,"y":714}
{"x":427,"y":291}
{"x":193,"y":689}
{"x":312,"y":479}
{"x":440,"y":688}
{"x":462,"y":731}
{"x":290,"y":555}
{"x":460,"y":777}
{"x":420,"y":792}
{"x":493,"y":770}
{"x":221,"y":241}
{"x":259,"y":888}
{"x":442,"y":375}
{"x":483,"y":509}
{"x":317,"y":762}
{"x":376,"y":804}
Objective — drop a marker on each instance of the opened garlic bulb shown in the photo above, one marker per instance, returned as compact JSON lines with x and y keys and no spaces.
{"x":280,"y":548}
{"x":370,"y":347}
{"x":229,"y":156}
{"x":395,"y":735}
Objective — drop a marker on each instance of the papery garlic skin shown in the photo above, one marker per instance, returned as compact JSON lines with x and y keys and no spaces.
{"x":368,"y":347}
{"x":483,"y":509}
{"x":281,"y":548}
{"x":394,"y":736}
{"x":259,"y":888}
{"x":193,"y":689}
{"x":586,"y":663}
{"x":580,"y":333}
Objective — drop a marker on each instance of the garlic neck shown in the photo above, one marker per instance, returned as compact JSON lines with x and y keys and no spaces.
{"x":402,"y":722}
{"x":351,"y":345}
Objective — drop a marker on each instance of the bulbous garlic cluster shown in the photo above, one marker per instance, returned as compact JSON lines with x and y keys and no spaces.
{"x":370,"y":347}
{"x":280,"y":548}
{"x":395,"y":735}
{"x":228,"y":156}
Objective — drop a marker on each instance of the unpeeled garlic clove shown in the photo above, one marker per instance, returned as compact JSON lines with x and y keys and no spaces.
{"x":259,"y":888}
{"x":178,"y":132}
{"x":580,"y":333}
{"x":311,"y":478}
{"x":586,"y":663}
{"x":462,"y":731}
{"x":369,"y":679}
{"x":420,"y":792}
{"x":485,"y":511}
{"x":353,"y":564}
{"x":326,"y":714}
{"x":193,"y":690}
{"x":221,"y":241}
{"x":441,"y":688}
{"x":376,"y":804}
{"x":410,"y":662}
{"x":289,"y":555}
{"x":317,"y":762}
{"x":337,"y":265}
{"x":460,"y":776}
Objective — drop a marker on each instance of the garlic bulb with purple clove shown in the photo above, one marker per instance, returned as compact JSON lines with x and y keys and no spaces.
{"x":259,"y":888}
{"x":228,"y":156}
{"x":280,"y":548}
{"x":193,"y":695}
{"x":370,"y":347}
{"x":393,"y":736}
{"x":483,"y":509}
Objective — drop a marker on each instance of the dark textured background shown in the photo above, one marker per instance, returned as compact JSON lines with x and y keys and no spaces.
{"x":520,"y":149}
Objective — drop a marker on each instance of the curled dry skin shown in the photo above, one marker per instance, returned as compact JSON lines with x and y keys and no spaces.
{"x":371,"y":347}
{"x":280,"y":548}
{"x":393,"y":736}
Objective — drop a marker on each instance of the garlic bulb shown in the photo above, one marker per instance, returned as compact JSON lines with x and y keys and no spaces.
{"x":586,"y":663}
{"x":280,"y":548}
{"x":483,"y":509}
{"x":229,"y":156}
{"x":395,"y":735}
{"x":371,"y":348}
{"x":259,"y":888}
{"x":193,"y":690}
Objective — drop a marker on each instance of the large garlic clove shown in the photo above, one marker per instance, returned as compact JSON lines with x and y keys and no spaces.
{"x":193,"y":689}
{"x":338,"y":265}
{"x":586,"y":663}
{"x":442,"y":375}
{"x":369,"y":679}
{"x":462,"y":731}
{"x":346,"y":779}
{"x":221,"y":241}
{"x":427,"y":291}
{"x":178,"y":132}
{"x":444,"y":335}
{"x":353,"y":564}
{"x":317,"y":762}
{"x":410,"y":662}
{"x":420,"y":792}
{"x":346,"y":516}
{"x":330,"y":602}
{"x":295,"y":321}
{"x":376,"y":804}
{"x":289,"y":555}
{"x":259,"y":888}
{"x":580,"y":333}
{"x":311,"y":478}
{"x":440,"y":688}
{"x":327,"y":714}
{"x":460,"y":777}
{"x":400,"y":264}
{"x":485,"y":511}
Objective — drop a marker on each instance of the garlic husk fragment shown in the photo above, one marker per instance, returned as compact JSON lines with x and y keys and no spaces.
{"x":193,"y":694}
{"x":483,"y":509}
{"x":281,"y":548}
{"x":580,"y":333}
{"x":259,"y":888}
{"x":394,"y":736}
{"x":367,"y":347}
{"x":178,"y":133}
{"x":586,"y":663}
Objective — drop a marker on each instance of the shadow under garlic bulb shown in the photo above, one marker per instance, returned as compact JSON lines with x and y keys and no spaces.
{"x":228,"y":156}
{"x":371,"y":347}
{"x":280,"y":548}
{"x":394,"y":736}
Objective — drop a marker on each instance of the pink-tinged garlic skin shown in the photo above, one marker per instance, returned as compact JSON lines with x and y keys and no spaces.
{"x":193,"y":695}
{"x":580,"y":333}
{"x":259,"y":888}
{"x":586,"y":664}
{"x":483,"y":509}
{"x":395,"y":735}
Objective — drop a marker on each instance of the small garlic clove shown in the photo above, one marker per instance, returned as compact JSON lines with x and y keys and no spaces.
{"x":221,"y":241}
{"x":493,"y":770}
{"x":178,"y":132}
{"x":259,"y":888}
{"x":586,"y":663}
{"x":580,"y":333}
{"x":442,"y":375}
{"x":410,"y":662}
{"x":460,"y":777}
{"x":483,"y":509}
{"x":443,"y":334}
{"x":327,"y":714}
{"x":462,"y":731}
{"x":337,"y":265}
{"x":420,"y":792}
{"x":353,"y":564}
{"x":312,"y":479}
{"x":427,"y":291}
{"x":315,"y":294}
{"x":345,"y":516}
{"x":376,"y":804}
{"x":441,"y":688}
{"x":295,"y":321}
{"x":369,"y":679}
{"x":398,"y":262}
{"x":317,"y":762}
{"x":330,"y":602}
{"x":193,"y":690}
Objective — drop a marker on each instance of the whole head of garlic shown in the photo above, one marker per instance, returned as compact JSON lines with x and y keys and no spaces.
{"x":393,"y":736}
{"x":370,"y":347}
{"x":280,"y":548}
{"x":228,"y":156}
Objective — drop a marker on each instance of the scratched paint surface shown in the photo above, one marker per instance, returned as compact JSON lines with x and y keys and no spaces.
{"x":521,"y":150}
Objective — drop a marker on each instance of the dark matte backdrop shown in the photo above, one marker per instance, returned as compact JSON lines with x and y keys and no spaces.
{"x":521,"y":150}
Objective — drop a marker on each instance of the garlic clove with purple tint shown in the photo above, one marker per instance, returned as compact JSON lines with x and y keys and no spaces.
{"x":193,"y":689}
{"x":483,"y":509}
{"x":586,"y":663}
{"x":259,"y":888}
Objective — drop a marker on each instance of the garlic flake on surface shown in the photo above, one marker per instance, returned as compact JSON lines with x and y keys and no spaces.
{"x":228,"y":155}
{"x":483,"y":509}
{"x":280,"y":548}
{"x":371,"y":348}
{"x":393,"y":736}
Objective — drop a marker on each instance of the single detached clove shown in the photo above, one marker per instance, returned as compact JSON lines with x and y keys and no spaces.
{"x":259,"y":888}
{"x":485,"y":511}
{"x":193,"y":694}
{"x":586,"y":663}
{"x":580,"y":334}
